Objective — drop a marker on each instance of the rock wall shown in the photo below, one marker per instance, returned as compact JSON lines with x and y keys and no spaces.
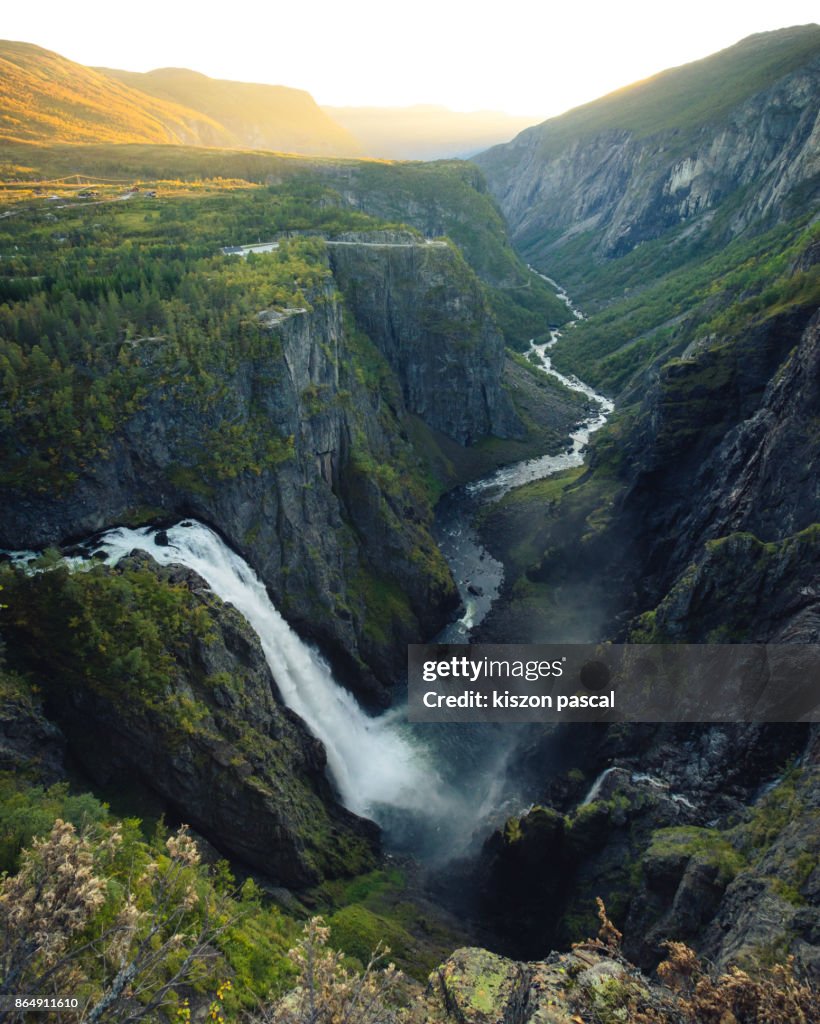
{"x":628,"y":185}
{"x":328,"y":522}
{"x":424,"y":309}
{"x":724,"y":499}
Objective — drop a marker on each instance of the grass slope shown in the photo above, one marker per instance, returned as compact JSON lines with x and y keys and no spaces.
{"x":46,"y":98}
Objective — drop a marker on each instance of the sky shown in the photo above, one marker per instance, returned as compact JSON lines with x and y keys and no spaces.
{"x":533,"y":57}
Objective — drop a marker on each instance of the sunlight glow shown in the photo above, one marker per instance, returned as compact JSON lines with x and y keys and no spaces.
{"x":525,"y":56}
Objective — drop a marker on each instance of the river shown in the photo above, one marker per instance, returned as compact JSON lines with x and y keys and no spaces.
{"x":478,"y":575}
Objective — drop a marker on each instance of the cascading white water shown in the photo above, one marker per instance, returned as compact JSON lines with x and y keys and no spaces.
{"x":372,"y":760}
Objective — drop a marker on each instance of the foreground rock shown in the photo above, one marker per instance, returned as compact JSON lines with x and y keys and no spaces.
{"x":588,"y":984}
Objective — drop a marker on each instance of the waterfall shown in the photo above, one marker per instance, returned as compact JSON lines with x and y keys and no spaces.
{"x":373,"y":761}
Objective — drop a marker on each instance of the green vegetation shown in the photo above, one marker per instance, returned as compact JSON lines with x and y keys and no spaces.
{"x":449,"y":197}
{"x":28,"y":811}
{"x":690,"y":296}
{"x":119,"y":634}
{"x":106,"y":305}
{"x":681,"y":100}
{"x":707,"y":845}
{"x":113,"y":901}
{"x":730,"y":587}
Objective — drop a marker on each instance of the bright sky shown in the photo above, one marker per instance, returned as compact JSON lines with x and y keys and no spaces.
{"x":521,"y":56}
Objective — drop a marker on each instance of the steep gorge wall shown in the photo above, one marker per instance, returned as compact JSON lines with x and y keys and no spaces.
{"x":342,"y":543}
{"x":623,"y":184}
{"x":423,"y":307}
{"x":725,"y":498}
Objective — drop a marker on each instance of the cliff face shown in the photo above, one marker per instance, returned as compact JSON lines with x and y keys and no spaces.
{"x":173,"y":700}
{"x":707,"y":528}
{"x":424,"y":309}
{"x":341,"y":541}
{"x":611,"y":172}
{"x":725,"y":498}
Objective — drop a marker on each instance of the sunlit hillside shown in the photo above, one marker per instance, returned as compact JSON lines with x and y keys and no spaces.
{"x":46,"y":98}
{"x":253,"y":116}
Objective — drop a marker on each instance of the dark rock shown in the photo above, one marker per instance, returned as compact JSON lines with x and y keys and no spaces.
{"x":30,"y":744}
{"x":425,"y":310}
{"x":215,"y":749}
{"x":320,"y":545}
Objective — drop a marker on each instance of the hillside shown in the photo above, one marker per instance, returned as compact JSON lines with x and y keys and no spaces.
{"x":45,"y":98}
{"x":739,"y":127}
{"x":252,"y":116}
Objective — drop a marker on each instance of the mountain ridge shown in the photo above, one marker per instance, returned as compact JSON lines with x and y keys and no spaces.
{"x":45,"y":97}
{"x":253,"y":115}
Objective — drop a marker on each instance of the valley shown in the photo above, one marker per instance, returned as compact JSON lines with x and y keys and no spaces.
{"x":277,"y":416}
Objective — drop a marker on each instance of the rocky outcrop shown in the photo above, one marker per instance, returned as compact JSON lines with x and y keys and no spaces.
{"x":176,"y":705}
{"x":640,"y":815}
{"x":592,"y":983}
{"x":424,"y":308}
{"x":732,"y":129}
{"x":772,"y":907}
{"x":31,"y":746}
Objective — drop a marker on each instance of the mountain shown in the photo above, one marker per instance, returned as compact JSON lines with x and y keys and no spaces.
{"x":252,"y":116}
{"x":45,"y":98}
{"x":426,"y":131}
{"x":681,"y":215}
{"x":737,"y":128}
